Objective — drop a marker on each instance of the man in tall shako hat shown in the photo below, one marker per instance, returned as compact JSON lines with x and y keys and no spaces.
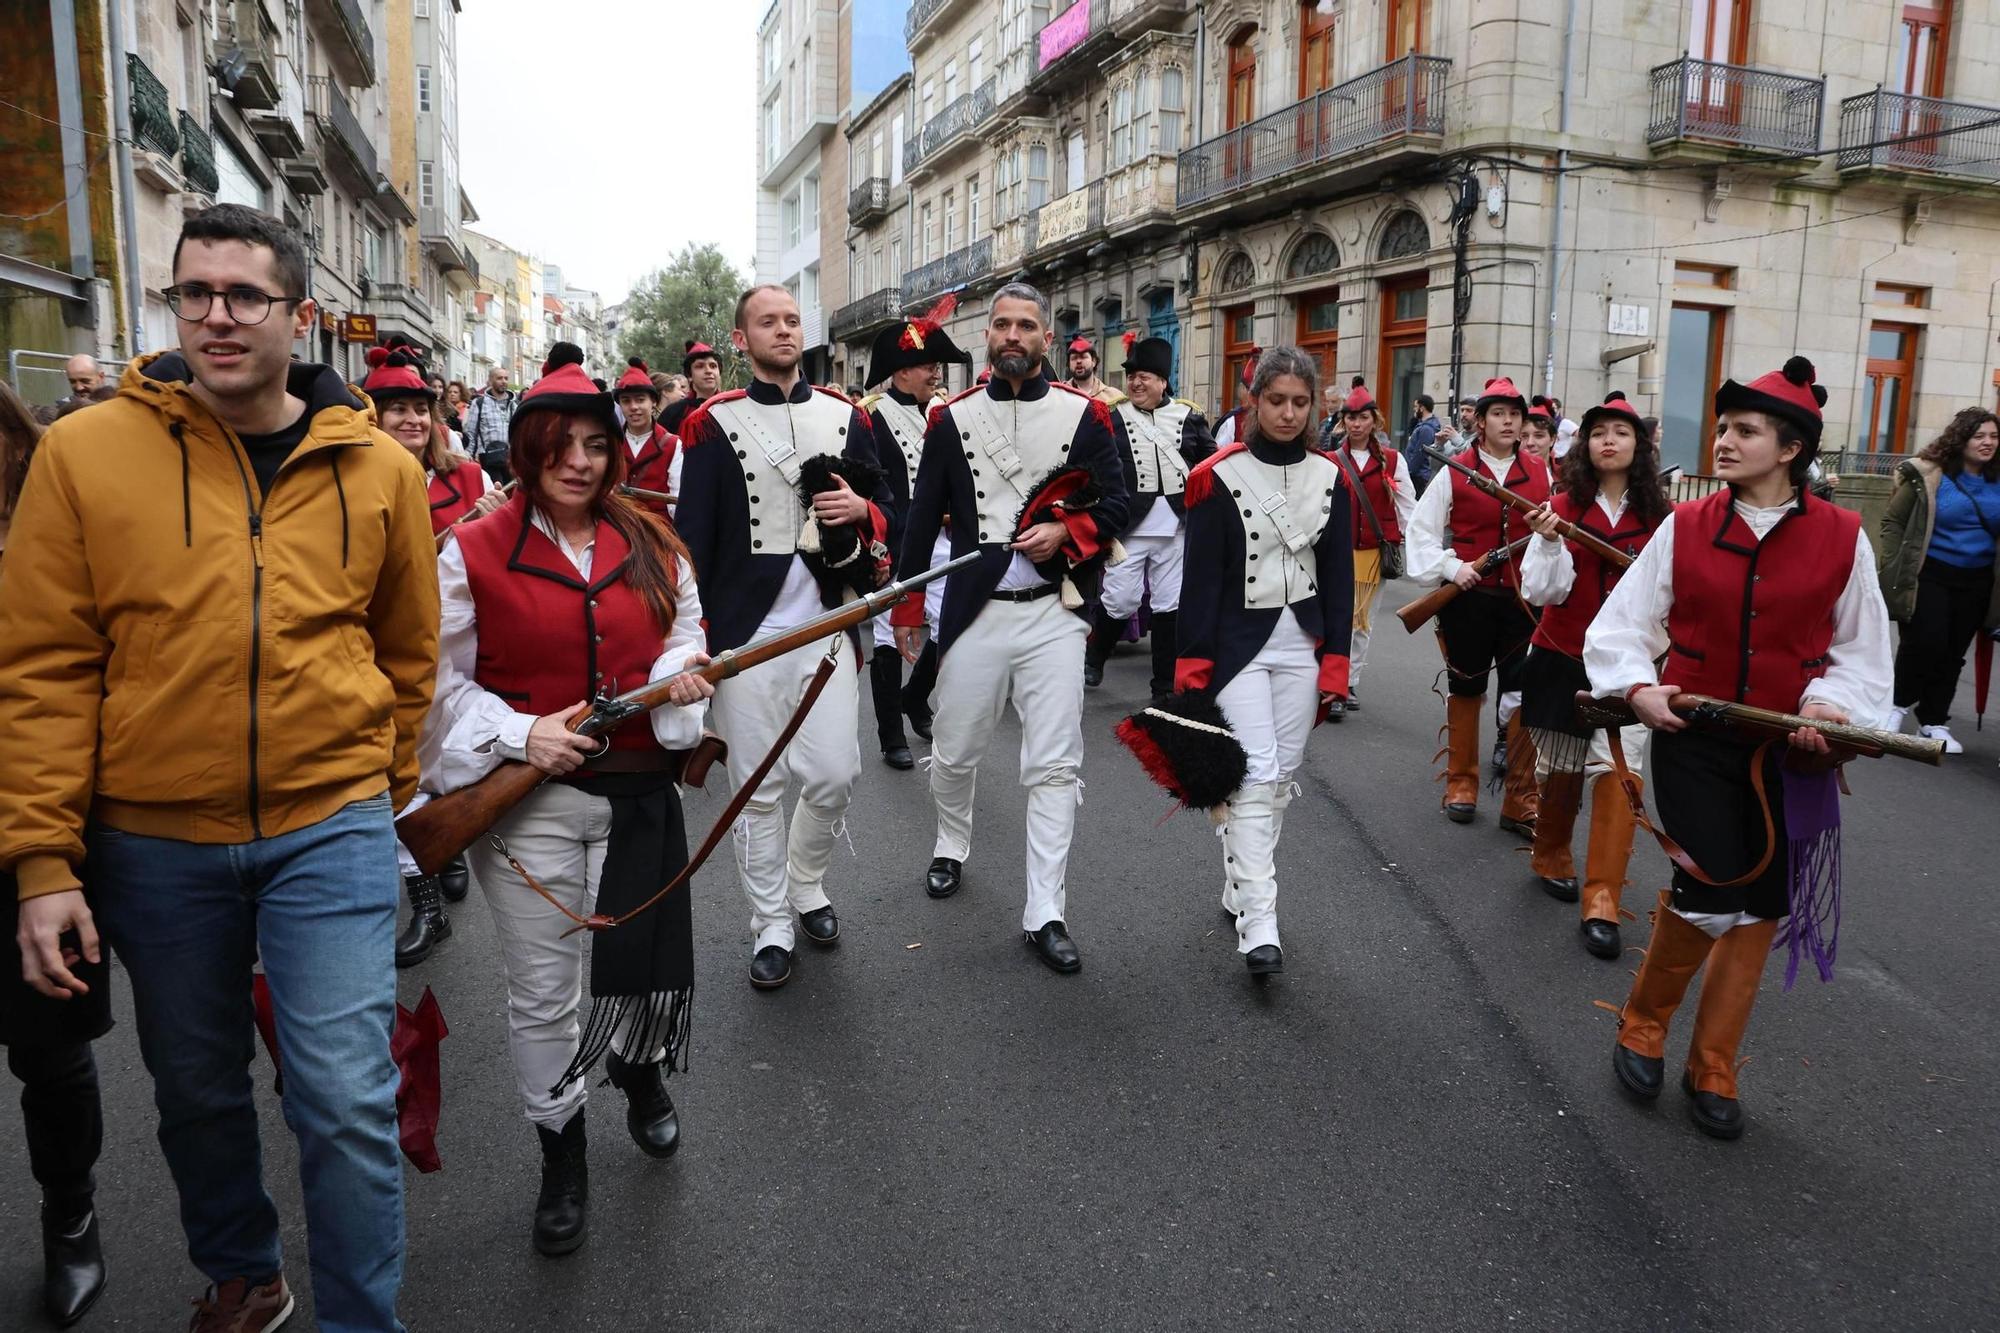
{"x":785,"y":513}
{"x":1763,"y":594}
{"x":1028,"y":472}
{"x":909,"y":355}
{"x":653,"y":461}
{"x":702,"y":365}
{"x":1226,"y":433}
{"x":1083,"y":372}
{"x":1159,"y":438}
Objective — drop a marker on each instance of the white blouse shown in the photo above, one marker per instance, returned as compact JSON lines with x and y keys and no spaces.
{"x":470,"y":730}
{"x":1426,"y":555}
{"x":1630,"y":632}
{"x":1548,"y":570}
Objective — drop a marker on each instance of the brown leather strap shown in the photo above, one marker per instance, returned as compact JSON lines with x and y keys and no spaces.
{"x":1675,"y":852}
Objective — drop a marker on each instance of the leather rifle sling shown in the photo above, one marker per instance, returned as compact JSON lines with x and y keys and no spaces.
{"x":1675,"y":852}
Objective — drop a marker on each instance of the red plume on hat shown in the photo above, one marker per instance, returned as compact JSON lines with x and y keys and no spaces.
{"x":928,"y":325}
{"x":1250,"y":365}
{"x":1129,"y":337}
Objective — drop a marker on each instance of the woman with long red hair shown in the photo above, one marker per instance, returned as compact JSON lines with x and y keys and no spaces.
{"x":566,"y":591}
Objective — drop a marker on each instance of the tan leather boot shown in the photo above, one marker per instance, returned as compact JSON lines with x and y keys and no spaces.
{"x":1735,"y":970}
{"x":1519,"y":801}
{"x":1673,"y":956}
{"x":1604,"y":864}
{"x":1562,"y":797}
{"x":1461,"y":774}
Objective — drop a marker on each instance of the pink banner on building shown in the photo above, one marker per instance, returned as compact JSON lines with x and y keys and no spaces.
{"x":1062,"y":33}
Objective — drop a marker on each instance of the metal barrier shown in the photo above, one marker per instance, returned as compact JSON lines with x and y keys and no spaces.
{"x":38,"y":376}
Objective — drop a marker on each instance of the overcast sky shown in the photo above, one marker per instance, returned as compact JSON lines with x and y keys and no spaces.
{"x":602,"y":135}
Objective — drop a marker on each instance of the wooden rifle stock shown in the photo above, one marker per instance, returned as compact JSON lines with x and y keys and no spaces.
{"x":1720,"y":715}
{"x":508,"y":489}
{"x":641,"y":493}
{"x":440,"y":829}
{"x":1516,"y":500}
{"x":1419,"y":613}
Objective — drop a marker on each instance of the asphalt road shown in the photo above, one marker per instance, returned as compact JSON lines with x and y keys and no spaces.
{"x":1416,"y":1126}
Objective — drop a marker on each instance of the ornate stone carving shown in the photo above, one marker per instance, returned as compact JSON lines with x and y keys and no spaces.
{"x":1238,"y":272}
{"x":1314,"y":254}
{"x":1406,"y":237}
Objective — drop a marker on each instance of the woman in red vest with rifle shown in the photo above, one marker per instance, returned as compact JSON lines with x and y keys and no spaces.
{"x":1760,"y":594}
{"x":568,"y":590}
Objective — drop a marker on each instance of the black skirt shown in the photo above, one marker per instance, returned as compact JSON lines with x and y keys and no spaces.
{"x":1549,"y":684}
{"x":1707,"y":803}
{"x":30,"y":1018}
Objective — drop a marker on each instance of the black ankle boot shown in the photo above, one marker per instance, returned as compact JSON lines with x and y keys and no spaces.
{"x":72,"y":1262}
{"x":1162,"y":635}
{"x":428,"y":927}
{"x":454,"y":879}
{"x":649,"y":1111}
{"x":560,"y":1207}
{"x":885,"y":683}
{"x":917,"y":694}
{"x":1104,"y":635}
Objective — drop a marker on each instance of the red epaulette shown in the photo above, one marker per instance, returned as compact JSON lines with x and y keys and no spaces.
{"x":694,"y":420}
{"x":1201,"y":477}
{"x":833,"y":393}
{"x":930,"y":417}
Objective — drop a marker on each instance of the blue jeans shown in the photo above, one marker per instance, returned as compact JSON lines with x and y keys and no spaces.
{"x":319,"y":907}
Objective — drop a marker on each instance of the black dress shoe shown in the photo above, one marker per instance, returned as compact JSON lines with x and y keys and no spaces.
{"x":1640,"y":1074}
{"x":942,"y":879}
{"x":1562,"y":888}
{"x":454,"y":879}
{"x":72,"y":1266}
{"x":1461,"y":814}
{"x":1055,"y":947}
{"x":920,"y":722}
{"x":1500,"y":756}
{"x":899,"y":757}
{"x":560,"y":1207}
{"x":1093,"y":675}
{"x":1264,"y":960}
{"x":429,"y":926}
{"x":1353,"y":702}
{"x":1336,"y":710}
{"x":820,"y":925}
{"x":771,"y":968}
{"x":1524,"y":828}
{"x":649,"y":1112}
{"x":1601,"y":939}
{"x":1717,"y":1116}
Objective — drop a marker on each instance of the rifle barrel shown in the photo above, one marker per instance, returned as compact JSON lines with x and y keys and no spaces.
{"x":1720,"y":713}
{"x":1515,"y":500}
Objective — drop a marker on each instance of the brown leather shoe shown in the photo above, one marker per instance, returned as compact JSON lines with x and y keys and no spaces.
{"x":1461,"y":773}
{"x":237,"y":1307}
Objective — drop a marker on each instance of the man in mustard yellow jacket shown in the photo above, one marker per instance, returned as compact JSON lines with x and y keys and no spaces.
{"x":218,"y":637}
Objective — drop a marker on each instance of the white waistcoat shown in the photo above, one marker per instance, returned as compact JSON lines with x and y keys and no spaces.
{"x":1283,"y":510}
{"x":771,"y":442}
{"x":1156,"y":446}
{"x":906,"y":424}
{"x":1010,"y":447}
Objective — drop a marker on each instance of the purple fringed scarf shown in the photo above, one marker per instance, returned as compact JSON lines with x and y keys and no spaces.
{"x":1812,"y":824}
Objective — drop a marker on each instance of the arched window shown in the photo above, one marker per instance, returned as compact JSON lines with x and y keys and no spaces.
{"x":1315,"y":254}
{"x":1237,"y":273}
{"x":1405,"y":236}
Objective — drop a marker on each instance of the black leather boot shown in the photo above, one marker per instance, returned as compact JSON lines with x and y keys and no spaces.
{"x":885,"y":683}
{"x":649,"y":1111}
{"x":1104,"y":635}
{"x":917,"y":694}
{"x":428,"y":927}
{"x":560,"y":1207}
{"x":72,"y":1263}
{"x":454,"y":879}
{"x":1162,"y":635}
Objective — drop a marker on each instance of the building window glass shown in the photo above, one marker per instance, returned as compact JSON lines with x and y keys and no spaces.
{"x":896,"y":150}
{"x":423,"y":9}
{"x":972,"y":210}
{"x":1704,"y":275}
{"x":1172,"y":104}
{"x":950,"y":82}
{"x":1073,"y":169}
{"x":950,"y":217}
{"x":809,"y":192}
{"x":1695,"y":338}
{"x":789,"y":216}
{"x":1919,"y":65}
{"x":1319,"y":328}
{"x":975,"y":62}
{"x":926,"y":242}
{"x":1142,"y":114}
{"x":427,"y":184}
{"x":1121,"y":126}
{"x":1239,"y":340}
{"x":1900,"y":293}
{"x":1038,"y":175}
{"x":423,"y":87}
{"x":771,"y":144}
{"x":1405,"y":303}
{"x":1887,"y":391}
{"x":1720,"y":31}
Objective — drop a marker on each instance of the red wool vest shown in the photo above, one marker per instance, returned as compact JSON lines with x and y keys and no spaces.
{"x":454,"y":493}
{"x":1480,"y":524}
{"x":1563,"y":623}
{"x":1375,"y":474}
{"x":546,"y":639}
{"x":651,"y":467}
{"x":1752,"y":620}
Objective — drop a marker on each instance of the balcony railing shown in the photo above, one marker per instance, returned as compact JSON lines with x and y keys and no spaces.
{"x":1067,"y":34}
{"x":966,"y":113}
{"x":152,"y":113}
{"x":1402,"y":98}
{"x":354,"y":54}
{"x":1064,"y":222}
{"x":339,"y":124}
{"x":955,"y":270}
{"x":250,"y":54}
{"x":1903,"y":132}
{"x":198,"y":158}
{"x":1735,"y":106}
{"x":871,"y":311}
{"x":868,"y":199}
{"x":921,"y":13}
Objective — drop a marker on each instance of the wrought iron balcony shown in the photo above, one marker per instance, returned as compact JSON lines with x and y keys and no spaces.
{"x":198,"y":158}
{"x":340,"y":129}
{"x":869,"y":313}
{"x":919,"y":18}
{"x":966,"y":113}
{"x":152,"y":113}
{"x":956,"y":269}
{"x":1400,"y":100}
{"x":1885,"y":131}
{"x":352,"y":52}
{"x":1065,"y":223}
{"x":247,"y":60}
{"x":870,"y":199}
{"x":1734,"y":106}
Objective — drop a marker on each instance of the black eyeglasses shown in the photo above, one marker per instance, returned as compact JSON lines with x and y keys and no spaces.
{"x":245,"y":305}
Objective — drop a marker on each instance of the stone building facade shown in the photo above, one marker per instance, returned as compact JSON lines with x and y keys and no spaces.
{"x":1428,"y":192}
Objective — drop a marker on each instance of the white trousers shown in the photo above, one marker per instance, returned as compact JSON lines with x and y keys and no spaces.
{"x":1271,"y":702}
{"x":782,"y":874}
{"x":559,"y":834}
{"x":885,"y":633}
{"x":1031,"y":653}
{"x":1147,"y":559}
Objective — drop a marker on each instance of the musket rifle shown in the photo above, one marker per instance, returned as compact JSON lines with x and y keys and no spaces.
{"x":1515,"y":500}
{"x":1418,"y":613}
{"x":641,"y":493}
{"x":1719,"y":715}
